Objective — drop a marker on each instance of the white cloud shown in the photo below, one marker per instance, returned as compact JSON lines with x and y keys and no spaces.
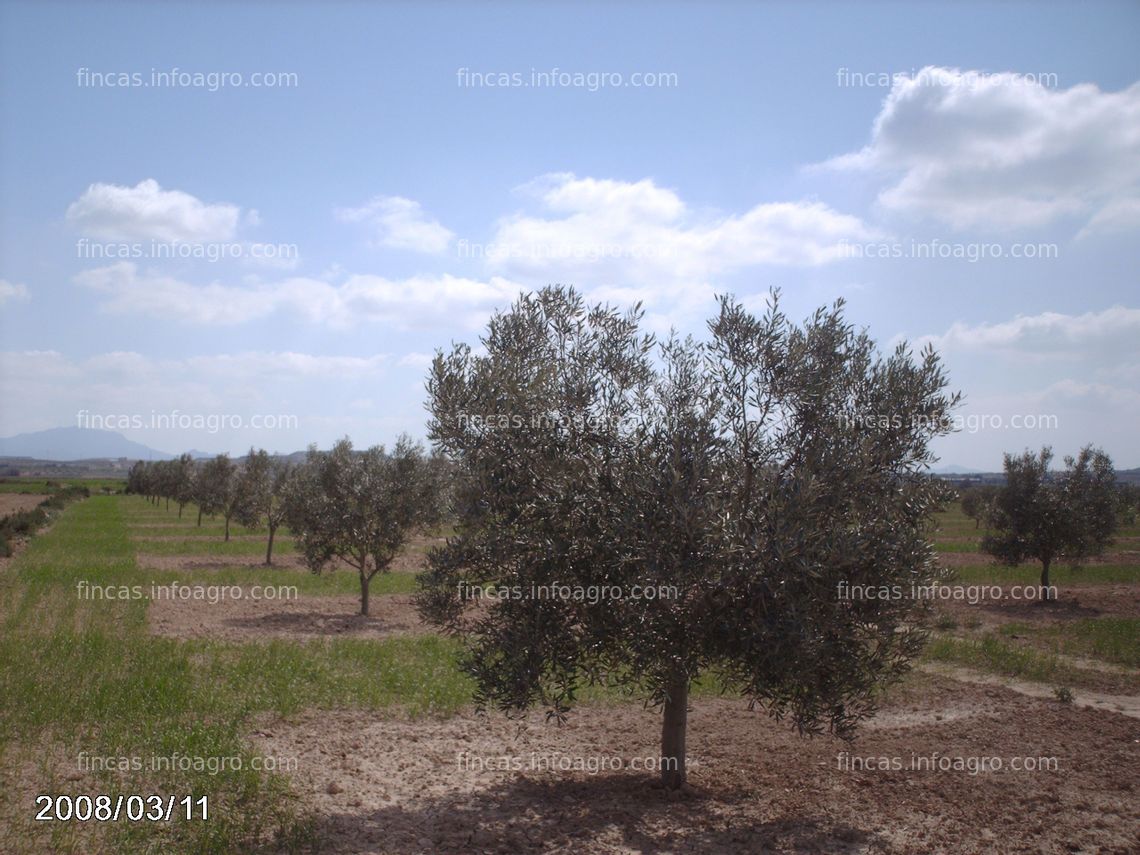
{"x":1091,"y":397}
{"x":1119,"y":217}
{"x":1049,"y":333}
{"x":147,"y":212}
{"x":1001,"y":150}
{"x":414,"y":301}
{"x":12,"y":291}
{"x":400,"y":223}
{"x":417,"y":360}
{"x":53,"y":388}
{"x":602,"y":232}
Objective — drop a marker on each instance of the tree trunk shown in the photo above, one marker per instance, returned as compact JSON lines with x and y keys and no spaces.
{"x":1045,"y":592}
{"x":227,"y":528}
{"x":673,"y":733}
{"x":199,"y":516}
{"x":180,"y":512}
{"x":365,"y":579}
{"x":269,"y":548}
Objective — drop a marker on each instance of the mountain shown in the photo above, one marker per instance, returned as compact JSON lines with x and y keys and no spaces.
{"x":75,"y":443}
{"x":955,"y":470}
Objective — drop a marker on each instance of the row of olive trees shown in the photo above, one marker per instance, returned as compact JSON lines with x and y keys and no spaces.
{"x":251,"y":493}
{"x":355,"y":507}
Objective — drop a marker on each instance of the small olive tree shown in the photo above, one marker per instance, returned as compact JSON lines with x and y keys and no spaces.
{"x":361,"y":507}
{"x":977,"y":502}
{"x":218,"y":489}
{"x":183,"y":481}
{"x":1038,"y":515}
{"x":264,"y":482}
{"x":743,"y":481}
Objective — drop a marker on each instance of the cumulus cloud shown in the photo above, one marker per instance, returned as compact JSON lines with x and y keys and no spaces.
{"x":1048,"y":333}
{"x":12,"y":291}
{"x":414,"y":301}
{"x":1002,"y":150}
{"x":400,"y":223}
{"x":608,"y":232}
{"x":147,"y":212}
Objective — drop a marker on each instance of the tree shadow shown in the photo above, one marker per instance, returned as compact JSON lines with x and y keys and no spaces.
{"x":323,"y":623}
{"x":1065,"y":608}
{"x":616,"y":811}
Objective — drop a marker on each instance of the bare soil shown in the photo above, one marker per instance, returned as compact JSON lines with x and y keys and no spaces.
{"x":192,"y":536}
{"x":384,"y":785}
{"x":303,"y":618}
{"x":1074,"y":602}
{"x":380,"y":783}
{"x":11,"y":503}
{"x":1128,"y":705}
{"x":286,"y":563}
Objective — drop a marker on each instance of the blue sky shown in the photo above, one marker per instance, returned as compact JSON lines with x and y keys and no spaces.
{"x":380,"y":169}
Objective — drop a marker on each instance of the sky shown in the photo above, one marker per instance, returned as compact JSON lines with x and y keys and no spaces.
{"x":226,"y":224}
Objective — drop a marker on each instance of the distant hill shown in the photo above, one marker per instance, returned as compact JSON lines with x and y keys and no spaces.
{"x":952,"y":469}
{"x":75,"y":443}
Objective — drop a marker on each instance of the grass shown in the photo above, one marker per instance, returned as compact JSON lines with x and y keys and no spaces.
{"x":956,"y":545}
{"x":47,"y":485}
{"x":207,"y":530}
{"x":1111,"y":639}
{"x":1060,"y":575}
{"x":80,"y":675}
{"x":86,"y":676}
{"x":327,"y":584}
{"x":214,"y":546}
{"x":996,"y":655}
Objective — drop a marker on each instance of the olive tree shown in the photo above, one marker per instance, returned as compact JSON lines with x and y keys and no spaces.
{"x":264,"y":482}
{"x":218,"y":489}
{"x":1038,"y":515}
{"x":361,"y":507}
{"x":1128,"y":503}
{"x":977,"y":502}
{"x":721,"y":493}
{"x":139,"y":479}
{"x":182,"y":473}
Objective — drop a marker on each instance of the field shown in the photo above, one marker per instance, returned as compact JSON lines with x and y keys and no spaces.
{"x":129,"y":665}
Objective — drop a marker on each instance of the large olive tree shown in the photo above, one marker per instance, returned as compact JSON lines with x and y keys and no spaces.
{"x":742,"y":479}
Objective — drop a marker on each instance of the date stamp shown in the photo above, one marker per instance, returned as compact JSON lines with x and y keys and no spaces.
{"x":132,"y":808}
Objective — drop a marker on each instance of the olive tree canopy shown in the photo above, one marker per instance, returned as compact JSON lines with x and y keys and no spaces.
{"x":361,"y":506}
{"x":1070,"y":515}
{"x":721,"y":494}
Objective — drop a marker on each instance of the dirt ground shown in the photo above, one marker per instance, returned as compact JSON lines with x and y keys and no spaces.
{"x":1074,"y":602}
{"x":303,"y":618}
{"x":292,"y":562}
{"x":1125,"y":553}
{"x":380,"y":785}
{"x":412,"y":560}
{"x":10,"y":503}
